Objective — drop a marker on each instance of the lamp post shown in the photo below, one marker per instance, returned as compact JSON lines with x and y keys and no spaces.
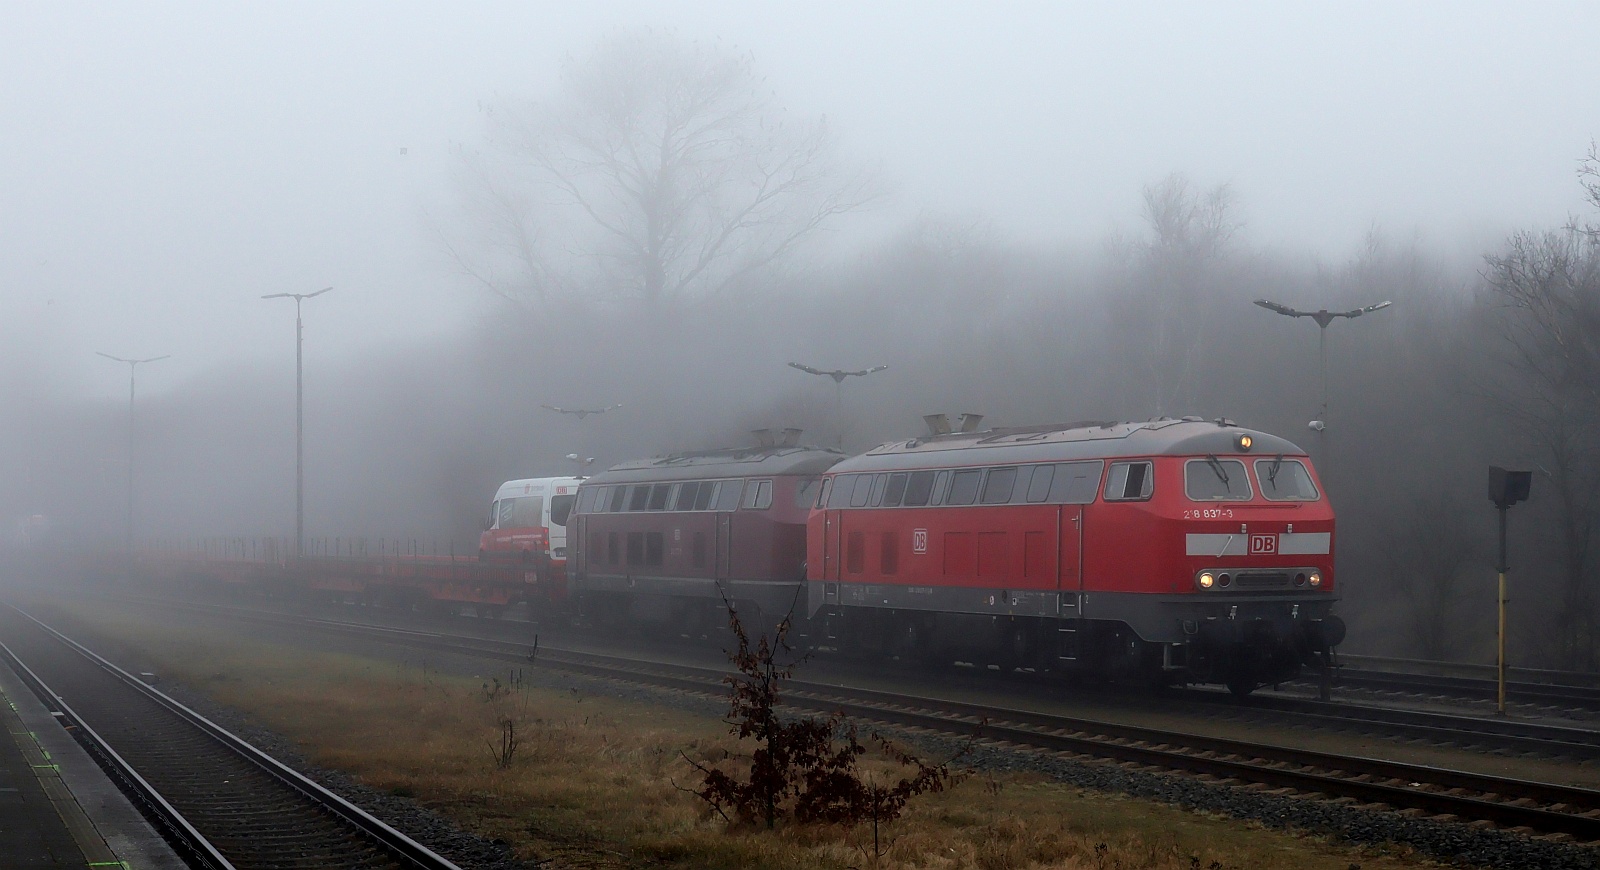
{"x":1322,"y":317}
{"x":133,"y":368}
{"x":838,"y":376}
{"x":1506,"y":488}
{"x":299,"y":416}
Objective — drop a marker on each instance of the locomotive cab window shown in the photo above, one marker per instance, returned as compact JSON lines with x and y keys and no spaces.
{"x":1129,"y":481}
{"x":878,"y":482}
{"x":1077,"y":482}
{"x":1213,"y":479}
{"x":1285,"y":480}
{"x":757,"y":495}
{"x":728,"y":495}
{"x":1039,"y":483}
{"x":860,"y":490}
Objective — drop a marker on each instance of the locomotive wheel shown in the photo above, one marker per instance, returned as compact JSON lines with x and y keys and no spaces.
{"x":1241,"y":687}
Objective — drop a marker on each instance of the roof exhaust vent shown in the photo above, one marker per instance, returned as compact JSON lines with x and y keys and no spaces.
{"x":789,"y":437}
{"x":969,"y":422}
{"x":938,"y":424}
{"x":764,"y":438}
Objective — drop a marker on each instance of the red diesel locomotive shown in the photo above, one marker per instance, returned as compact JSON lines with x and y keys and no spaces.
{"x":1168,"y":551}
{"x":663,"y":541}
{"x":1172,"y":550}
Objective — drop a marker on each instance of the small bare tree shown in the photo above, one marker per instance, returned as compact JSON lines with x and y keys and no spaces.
{"x":803,"y":767}
{"x":663,"y":169}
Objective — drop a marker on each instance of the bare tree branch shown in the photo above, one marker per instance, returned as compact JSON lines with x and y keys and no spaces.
{"x":665,"y":170}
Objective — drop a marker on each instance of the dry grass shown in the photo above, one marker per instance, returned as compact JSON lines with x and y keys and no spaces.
{"x":595,"y":780}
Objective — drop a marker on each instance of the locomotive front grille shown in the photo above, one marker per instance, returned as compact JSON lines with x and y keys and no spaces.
{"x":1263,"y":580}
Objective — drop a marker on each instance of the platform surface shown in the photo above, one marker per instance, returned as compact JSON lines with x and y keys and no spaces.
{"x":57,"y":807}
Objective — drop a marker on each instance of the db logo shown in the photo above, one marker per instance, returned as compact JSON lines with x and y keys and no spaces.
{"x":1263,"y":545}
{"x":919,"y":540}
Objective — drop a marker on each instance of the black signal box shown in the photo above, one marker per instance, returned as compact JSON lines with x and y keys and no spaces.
{"x":1507,"y":488}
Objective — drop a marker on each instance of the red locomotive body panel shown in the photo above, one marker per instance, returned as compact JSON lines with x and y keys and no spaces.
{"x":1149,"y":532}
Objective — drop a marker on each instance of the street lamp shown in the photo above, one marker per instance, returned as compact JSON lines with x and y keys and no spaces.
{"x":133,"y":367}
{"x":838,"y":376}
{"x":1322,"y":318}
{"x":299,"y":416}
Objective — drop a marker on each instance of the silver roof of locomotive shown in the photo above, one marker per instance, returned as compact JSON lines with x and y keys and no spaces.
{"x":729,"y":462}
{"x":1190,"y":436}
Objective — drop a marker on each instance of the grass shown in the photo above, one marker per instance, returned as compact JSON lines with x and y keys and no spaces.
{"x":595,"y":781}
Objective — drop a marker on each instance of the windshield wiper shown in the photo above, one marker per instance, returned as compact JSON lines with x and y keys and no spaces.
{"x":1222,"y":473}
{"x":1272,"y":472}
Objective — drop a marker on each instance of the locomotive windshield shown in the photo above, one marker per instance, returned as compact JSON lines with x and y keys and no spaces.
{"x":1285,"y":480}
{"x":1213,"y":479}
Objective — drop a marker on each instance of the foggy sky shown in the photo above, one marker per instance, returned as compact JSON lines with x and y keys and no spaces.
{"x":162,"y":165}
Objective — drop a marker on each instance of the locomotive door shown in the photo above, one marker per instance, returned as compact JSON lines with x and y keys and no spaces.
{"x":724,"y":544}
{"x":577,"y":546}
{"x":1069,"y":577}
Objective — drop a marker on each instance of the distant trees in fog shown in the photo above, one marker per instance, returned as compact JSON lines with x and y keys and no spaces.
{"x":662,"y":169}
{"x":1543,"y":298}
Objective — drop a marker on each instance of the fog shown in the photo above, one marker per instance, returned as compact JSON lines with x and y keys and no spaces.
{"x":1031,"y":212}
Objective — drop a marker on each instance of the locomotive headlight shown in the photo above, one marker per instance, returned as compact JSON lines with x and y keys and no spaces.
{"x":1244,"y":443}
{"x":1314,"y":578}
{"x":1206,"y":579}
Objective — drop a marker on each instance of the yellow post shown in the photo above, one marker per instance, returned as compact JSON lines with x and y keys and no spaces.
{"x":1500,"y":659}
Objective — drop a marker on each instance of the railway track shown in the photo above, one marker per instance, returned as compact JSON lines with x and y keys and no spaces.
{"x":1506,"y":736}
{"x":1523,"y":805}
{"x":220,"y":801}
{"x":1534,"y":695}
